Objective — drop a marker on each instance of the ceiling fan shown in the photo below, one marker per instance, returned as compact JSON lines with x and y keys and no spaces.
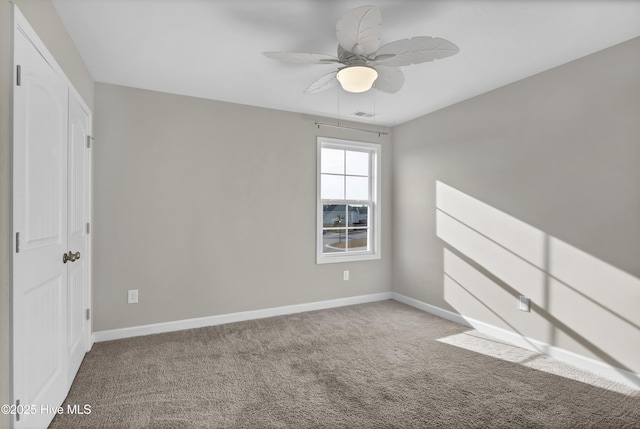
{"x":366,"y":64}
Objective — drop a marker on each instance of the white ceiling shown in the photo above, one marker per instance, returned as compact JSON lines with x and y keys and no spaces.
{"x":212,"y":48}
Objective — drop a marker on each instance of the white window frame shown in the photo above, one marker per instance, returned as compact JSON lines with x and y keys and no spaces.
{"x":374,"y":223}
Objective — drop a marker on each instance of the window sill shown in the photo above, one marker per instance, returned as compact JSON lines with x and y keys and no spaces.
{"x":333,"y":259}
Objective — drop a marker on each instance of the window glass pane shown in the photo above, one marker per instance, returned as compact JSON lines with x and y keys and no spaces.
{"x":333,"y":215}
{"x":358,"y":163}
{"x":332,"y":161}
{"x":332,"y":187}
{"x":333,"y":240}
{"x":358,"y":240}
{"x":358,"y":215}
{"x":357,"y":188}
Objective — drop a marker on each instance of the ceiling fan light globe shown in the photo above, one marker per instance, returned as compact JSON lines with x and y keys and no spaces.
{"x":357,"y":78}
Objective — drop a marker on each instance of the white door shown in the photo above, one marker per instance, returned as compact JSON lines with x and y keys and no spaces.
{"x":40,"y":224}
{"x":78,"y":204}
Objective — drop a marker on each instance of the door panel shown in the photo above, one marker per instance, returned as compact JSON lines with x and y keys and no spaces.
{"x":42,"y":325}
{"x":78,"y":214}
{"x":39,"y":216}
{"x":42,"y":195}
{"x":76,"y":322}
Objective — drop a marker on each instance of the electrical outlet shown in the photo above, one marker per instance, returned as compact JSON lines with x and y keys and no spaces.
{"x":524,"y":304}
{"x":345,"y":275}
{"x":132,"y":296}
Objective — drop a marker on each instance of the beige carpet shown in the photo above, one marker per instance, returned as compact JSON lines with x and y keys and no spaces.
{"x":378,"y":365}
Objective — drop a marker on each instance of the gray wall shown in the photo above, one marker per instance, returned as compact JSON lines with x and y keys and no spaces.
{"x":208,"y":208}
{"x":539,"y":195}
{"x":43,"y":17}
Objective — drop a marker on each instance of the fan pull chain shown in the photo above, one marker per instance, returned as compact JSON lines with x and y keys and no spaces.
{"x":338,"y":88}
{"x":374,"y":109}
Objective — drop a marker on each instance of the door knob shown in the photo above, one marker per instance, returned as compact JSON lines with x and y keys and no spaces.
{"x":70,"y":256}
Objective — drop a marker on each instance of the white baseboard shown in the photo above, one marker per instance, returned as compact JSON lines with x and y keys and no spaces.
{"x":605,"y":370}
{"x":201,"y":322}
{"x":598,"y":367}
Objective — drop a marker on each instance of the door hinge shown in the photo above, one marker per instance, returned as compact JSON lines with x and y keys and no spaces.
{"x":88,"y":314}
{"x":17,"y":242}
{"x":17,"y":408}
{"x":18,"y":75}
{"x":89,"y":138}
{"x":88,"y":228}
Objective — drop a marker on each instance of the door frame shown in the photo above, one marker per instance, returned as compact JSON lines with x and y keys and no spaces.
{"x":20,"y":23}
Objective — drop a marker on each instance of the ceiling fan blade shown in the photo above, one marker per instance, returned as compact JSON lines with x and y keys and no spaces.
{"x":325,"y":82}
{"x":414,"y":51}
{"x":301,"y":58}
{"x":390,"y":79}
{"x":358,"y":30}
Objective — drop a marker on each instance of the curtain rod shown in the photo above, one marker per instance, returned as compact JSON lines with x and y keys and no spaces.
{"x":379,"y":133}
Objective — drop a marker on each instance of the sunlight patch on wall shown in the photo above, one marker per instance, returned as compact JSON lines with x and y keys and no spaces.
{"x":578,"y":302}
{"x":476,"y":295}
{"x":511,"y":234}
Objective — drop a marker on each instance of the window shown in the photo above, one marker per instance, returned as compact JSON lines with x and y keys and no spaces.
{"x":348,"y":216}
